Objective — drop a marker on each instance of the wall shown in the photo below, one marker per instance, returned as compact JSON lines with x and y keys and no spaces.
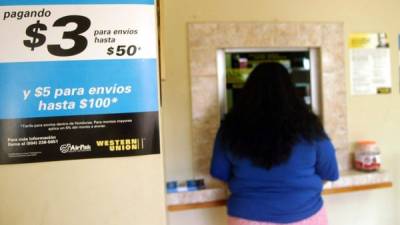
{"x":107,"y":191}
{"x":372,"y":117}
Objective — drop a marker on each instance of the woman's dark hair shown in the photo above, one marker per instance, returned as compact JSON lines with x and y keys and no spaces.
{"x":269,"y":118}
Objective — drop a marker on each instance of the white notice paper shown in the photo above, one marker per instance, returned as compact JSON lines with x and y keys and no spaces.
{"x":370,"y":67}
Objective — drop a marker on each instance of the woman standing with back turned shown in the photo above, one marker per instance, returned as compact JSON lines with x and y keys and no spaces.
{"x":273,"y":153}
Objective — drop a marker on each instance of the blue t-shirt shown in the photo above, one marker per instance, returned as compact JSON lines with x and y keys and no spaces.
{"x":286,"y":193}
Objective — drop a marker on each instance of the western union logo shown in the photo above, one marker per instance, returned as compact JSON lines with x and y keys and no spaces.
{"x":131,"y":144}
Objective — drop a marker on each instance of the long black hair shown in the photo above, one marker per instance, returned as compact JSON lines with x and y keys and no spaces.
{"x":269,"y":118}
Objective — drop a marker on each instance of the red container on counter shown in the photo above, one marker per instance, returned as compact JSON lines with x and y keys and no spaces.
{"x":367,"y":156}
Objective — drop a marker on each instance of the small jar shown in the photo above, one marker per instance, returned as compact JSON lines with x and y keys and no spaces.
{"x":367,"y":156}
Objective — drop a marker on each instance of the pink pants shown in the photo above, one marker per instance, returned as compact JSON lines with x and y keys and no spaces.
{"x":318,"y":218}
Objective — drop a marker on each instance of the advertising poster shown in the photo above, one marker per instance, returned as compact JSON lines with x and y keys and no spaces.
{"x":78,"y":79}
{"x":370,"y":64}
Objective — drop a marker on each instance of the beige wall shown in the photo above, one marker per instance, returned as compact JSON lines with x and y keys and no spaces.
{"x":108,"y":191}
{"x":375,"y":117}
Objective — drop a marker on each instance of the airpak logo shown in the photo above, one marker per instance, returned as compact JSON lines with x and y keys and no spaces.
{"x":70,"y":148}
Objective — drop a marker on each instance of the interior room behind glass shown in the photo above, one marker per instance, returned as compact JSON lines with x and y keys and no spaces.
{"x":238,"y":63}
